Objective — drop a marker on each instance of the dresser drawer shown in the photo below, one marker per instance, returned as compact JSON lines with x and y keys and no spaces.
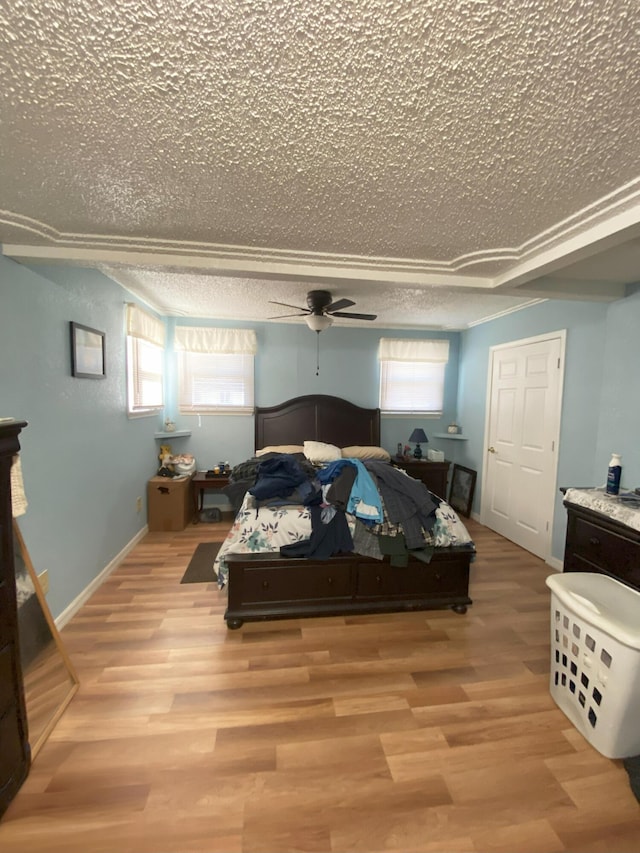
{"x":281,"y":583}
{"x":603,"y":547}
{"x":596,"y":548}
{"x":423,"y":580}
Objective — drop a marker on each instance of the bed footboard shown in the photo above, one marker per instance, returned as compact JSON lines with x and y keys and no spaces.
{"x":269,"y":586}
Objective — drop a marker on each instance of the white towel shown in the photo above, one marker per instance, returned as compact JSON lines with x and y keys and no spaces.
{"x":18,"y":497}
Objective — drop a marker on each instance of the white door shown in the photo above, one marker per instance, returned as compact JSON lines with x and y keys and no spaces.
{"x":523,"y":424}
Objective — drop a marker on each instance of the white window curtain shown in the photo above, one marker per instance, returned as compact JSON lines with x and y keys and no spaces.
{"x":145,"y":361}
{"x":144,"y":326}
{"x":215,"y":369}
{"x":213,"y":340}
{"x":412,"y":374}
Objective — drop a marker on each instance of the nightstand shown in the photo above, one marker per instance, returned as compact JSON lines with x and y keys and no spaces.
{"x":433,"y":474}
{"x":200,"y":484}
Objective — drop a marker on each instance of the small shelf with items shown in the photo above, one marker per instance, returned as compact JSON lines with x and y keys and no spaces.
{"x":451,"y":435}
{"x":177,"y":433}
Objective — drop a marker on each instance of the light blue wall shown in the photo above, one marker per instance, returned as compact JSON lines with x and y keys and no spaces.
{"x":619,"y":408}
{"x":601,"y":401}
{"x":286,"y":368}
{"x":85,"y":463}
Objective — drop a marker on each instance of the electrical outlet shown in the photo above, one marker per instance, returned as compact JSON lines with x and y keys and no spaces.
{"x":138,"y":504}
{"x":43,"y":577}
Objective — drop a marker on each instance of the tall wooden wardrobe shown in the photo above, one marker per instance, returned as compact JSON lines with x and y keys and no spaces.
{"x":15,"y":753}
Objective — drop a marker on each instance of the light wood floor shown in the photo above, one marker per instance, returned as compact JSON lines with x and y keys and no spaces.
{"x":411,"y":732}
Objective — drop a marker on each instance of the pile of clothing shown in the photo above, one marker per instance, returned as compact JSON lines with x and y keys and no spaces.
{"x":368,"y":507}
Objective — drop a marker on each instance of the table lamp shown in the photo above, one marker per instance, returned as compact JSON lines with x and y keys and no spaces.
{"x":418,"y":436}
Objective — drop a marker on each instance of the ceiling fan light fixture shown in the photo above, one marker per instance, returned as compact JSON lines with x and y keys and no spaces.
{"x":318,"y":322}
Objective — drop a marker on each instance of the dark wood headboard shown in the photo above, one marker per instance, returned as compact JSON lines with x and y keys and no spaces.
{"x":316,"y":417}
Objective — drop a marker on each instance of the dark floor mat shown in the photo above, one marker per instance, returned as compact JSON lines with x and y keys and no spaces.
{"x":200,"y":568}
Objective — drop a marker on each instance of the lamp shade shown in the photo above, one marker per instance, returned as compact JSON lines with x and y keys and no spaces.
{"x":318,"y":322}
{"x":418,"y":436}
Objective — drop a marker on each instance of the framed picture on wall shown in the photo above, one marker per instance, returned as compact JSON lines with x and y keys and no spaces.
{"x":463,"y":484}
{"x":87,"y":352}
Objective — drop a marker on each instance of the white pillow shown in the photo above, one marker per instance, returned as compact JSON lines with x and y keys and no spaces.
{"x":363,"y":451}
{"x":281,"y":448}
{"x":318,"y":451}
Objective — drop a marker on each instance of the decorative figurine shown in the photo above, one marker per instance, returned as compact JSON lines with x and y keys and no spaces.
{"x":165,"y":456}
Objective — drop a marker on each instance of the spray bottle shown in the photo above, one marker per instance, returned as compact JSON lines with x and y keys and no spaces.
{"x":613,"y":474}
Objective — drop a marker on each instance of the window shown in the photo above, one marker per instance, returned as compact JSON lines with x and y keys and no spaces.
{"x":412,"y":375}
{"x":145,"y":361}
{"x":215,"y":369}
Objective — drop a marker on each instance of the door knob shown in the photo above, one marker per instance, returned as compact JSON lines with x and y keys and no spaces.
{"x":492,"y":450}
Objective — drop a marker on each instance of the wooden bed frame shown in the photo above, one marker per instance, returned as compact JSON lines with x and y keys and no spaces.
{"x":268,"y":586}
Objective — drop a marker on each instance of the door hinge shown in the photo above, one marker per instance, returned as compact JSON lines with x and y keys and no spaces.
{"x":558,"y":364}
{"x":547,"y":525}
{"x":553,"y":446}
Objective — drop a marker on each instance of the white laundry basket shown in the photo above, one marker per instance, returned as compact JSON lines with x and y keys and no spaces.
{"x":595,"y":659}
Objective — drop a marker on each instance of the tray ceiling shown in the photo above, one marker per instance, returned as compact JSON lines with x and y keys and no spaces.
{"x":440,"y":162}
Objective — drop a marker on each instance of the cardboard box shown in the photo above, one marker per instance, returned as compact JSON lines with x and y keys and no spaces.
{"x":169,"y":503}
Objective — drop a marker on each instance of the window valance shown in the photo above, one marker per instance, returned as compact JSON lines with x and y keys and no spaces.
{"x":144,"y":326}
{"x":413,"y":349}
{"x":215,"y":340}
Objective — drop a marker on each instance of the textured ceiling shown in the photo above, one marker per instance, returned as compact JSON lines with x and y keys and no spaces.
{"x":250,"y":299}
{"x":214,"y":154}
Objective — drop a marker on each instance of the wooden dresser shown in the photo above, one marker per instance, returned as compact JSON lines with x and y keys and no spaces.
{"x":596,"y":542}
{"x":15,"y":754}
{"x":433,"y":474}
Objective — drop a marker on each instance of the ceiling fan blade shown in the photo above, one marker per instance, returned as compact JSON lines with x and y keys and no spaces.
{"x":282,"y":316}
{"x":286,"y":305}
{"x":354,"y":316}
{"x":339,"y":304}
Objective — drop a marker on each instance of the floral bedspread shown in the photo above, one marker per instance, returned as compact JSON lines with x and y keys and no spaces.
{"x":269,"y":527}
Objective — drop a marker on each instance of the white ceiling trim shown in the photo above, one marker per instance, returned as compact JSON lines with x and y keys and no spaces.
{"x":602,"y":224}
{"x":504,"y":313}
{"x":600,"y":228}
{"x":243,"y":260}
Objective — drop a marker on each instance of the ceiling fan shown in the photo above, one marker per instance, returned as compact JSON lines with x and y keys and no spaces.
{"x":321,"y":310}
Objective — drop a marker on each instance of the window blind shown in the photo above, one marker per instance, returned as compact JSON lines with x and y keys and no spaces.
{"x":215,"y":369}
{"x":412,"y":374}
{"x":145,"y":361}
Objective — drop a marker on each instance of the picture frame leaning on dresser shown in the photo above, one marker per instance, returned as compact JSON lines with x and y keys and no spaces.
{"x":463,"y":485}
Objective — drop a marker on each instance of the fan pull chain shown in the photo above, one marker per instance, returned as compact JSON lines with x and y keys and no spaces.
{"x":317,"y":353}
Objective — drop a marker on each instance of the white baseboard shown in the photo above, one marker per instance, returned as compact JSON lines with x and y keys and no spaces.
{"x":88,"y":591}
